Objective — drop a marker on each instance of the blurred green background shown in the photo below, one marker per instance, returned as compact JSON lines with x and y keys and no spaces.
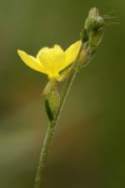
{"x":88,"y":149}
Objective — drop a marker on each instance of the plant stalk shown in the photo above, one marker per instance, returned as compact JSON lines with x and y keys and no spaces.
{"x":44,"y":155}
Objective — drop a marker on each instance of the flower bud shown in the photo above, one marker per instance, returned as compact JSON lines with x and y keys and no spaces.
{"x":93,"y":30}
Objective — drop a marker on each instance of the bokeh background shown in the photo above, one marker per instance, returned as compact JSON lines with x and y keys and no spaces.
{"x":88,"y":150}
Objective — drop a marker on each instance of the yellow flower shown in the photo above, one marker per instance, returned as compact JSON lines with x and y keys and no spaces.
{"x":52,"y":61}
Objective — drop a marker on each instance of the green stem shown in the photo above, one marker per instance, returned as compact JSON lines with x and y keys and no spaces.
{"x":50,"y":134}
{"x":44,"y":155}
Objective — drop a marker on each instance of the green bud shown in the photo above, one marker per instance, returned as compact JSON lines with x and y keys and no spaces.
{"x":93,"y":30}
{"x":94,"y":20}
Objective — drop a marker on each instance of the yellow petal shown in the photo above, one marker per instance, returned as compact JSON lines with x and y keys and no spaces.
{"x":30,"y":61}
{"x":70,"y":55}
{"x":52,"y":59}
{"x":56,"y":49}
{"x":72,"y":52}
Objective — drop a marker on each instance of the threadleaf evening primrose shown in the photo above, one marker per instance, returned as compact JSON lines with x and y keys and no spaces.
{"x":52,"y":61}
{"x":58,"y":64}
